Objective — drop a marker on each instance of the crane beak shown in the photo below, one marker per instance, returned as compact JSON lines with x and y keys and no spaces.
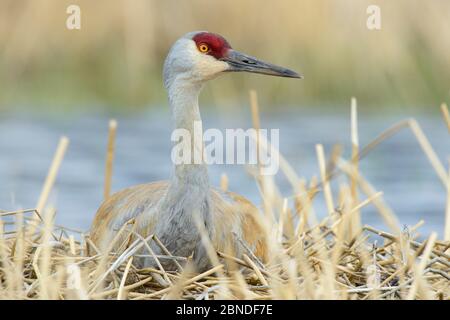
{"x":239,"y":62}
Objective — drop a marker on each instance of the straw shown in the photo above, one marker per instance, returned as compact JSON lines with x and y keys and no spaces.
{"x":110,"y":158}
{"x":308,"y":257}
{"x":446,"y":115}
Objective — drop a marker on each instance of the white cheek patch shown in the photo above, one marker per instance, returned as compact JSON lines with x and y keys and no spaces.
{"x":209,"y":67}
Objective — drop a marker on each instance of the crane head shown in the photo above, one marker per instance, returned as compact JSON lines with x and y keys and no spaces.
{"x":200,"y":56}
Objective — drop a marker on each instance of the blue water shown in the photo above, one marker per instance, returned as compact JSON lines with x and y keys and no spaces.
{"x":398,"y":167}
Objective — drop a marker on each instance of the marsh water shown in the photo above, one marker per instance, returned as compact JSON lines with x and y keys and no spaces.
{"x":398,"y":167}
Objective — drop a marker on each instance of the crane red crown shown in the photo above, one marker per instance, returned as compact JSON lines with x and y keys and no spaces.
{"x":217,"y":44}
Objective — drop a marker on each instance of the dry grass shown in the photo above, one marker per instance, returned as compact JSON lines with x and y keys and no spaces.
{"x":332,"y":258}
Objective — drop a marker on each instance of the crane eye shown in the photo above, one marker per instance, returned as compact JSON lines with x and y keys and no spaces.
{"x":203,"y":48}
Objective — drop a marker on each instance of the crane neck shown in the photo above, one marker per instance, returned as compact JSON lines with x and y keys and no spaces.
{"x":183,"y":100}
{"x":188,"y":193}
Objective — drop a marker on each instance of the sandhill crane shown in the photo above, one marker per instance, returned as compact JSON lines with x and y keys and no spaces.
{"x":167,"y":208}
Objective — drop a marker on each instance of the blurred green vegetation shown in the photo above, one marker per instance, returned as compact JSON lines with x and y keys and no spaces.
{"x":115,"y":60}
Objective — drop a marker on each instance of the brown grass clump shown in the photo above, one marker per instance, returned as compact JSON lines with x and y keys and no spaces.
{"x":332,"y":258}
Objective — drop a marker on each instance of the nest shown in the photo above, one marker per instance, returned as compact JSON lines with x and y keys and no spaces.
{"x":324,"y":262}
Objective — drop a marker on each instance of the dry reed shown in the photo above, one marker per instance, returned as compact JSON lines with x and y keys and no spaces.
{"x":331,"y":258}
